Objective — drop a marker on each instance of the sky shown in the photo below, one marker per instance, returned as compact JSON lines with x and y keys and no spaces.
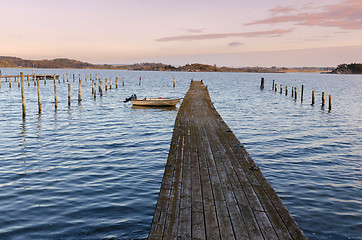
{"x":235,"y":33}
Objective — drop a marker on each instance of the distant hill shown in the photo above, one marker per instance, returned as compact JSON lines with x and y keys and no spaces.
{"x":55,"y":63}
{"x":15,"y":62}
{"x":353,"y":68}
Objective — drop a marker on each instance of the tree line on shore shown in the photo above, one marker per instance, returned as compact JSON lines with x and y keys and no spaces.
{"x":15,"y":62}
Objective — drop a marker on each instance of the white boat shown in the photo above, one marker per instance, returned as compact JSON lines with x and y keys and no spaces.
{"x":156,"y":102}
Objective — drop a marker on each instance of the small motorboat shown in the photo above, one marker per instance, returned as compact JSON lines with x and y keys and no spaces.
{"x":153,"y":102}
{"x":156,"y":102}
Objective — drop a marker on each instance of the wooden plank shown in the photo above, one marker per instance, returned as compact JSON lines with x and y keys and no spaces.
{"x":212,"y":188}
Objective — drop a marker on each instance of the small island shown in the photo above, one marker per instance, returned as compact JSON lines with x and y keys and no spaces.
{"x":353,"y":68}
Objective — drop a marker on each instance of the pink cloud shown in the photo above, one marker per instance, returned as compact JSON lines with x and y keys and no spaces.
{"x":345,"y":15}
{"x":269,"y":33}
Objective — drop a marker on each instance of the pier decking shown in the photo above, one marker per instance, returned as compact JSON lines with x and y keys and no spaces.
{"x":211,"y":187}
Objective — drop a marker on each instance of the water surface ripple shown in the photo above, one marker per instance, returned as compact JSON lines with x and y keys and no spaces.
{"x":93,"y":171}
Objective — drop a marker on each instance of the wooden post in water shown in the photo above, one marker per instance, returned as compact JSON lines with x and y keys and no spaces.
{"x":85,"y":79}
{"x":22,"y":93}
{"x":92,"y":86}
{"x":295,"y":93}
{"x":100,"y":88}
{"x":95,"y":90}
{"x":323,"y":98}
{"x":276,"y":87}
{"x":330,"y":103}
{"x":18,"y":81}
{"x":54,"y":78}
{"x":96,"y":77}
{"x":123,"y":81}
{"x":80,"y":92}
{"x":116,"y":82}
{"x":106,"y":84}
{"x":262,"y":83}
{"x":9,"y":82}
{"x":79,"y":77}
{"x":281,"y":88}
{"x":39,"y":99}
{"x":110,"y":83}
{"x":0,"y":82}
{"x":28,"y":81}
{"x":45,"y":80}
{"x":273,"y":84}
{"x":63,"y":78}
{"x":139,"y":83}
{"x":67,"y":77}
{"x":34,"y":78}
{"x":174,"y":82}
{"x":301,"y":94}
{"x":292,"y":92}
{"x":69,"y":94}
{"x":90,"y":76}
{"x":55,"y":97}
{"x":286,"y":91}
{"x":313,"y":97}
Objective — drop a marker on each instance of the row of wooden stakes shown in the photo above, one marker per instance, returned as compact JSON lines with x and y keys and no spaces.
{"x":36,"y":78}
{"x":295,"y":93}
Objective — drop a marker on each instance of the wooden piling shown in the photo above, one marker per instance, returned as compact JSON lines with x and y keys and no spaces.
{"x":45,"y":80}
{"x":0,"y":82}
{"x":28,"y":81}
{"x":302,"y":93}
{"x":174,"y":82}
{"x":73,"y":77}
{"x":67,"y":77}
{"x":106,"y":87}
{"x":313,"y":97}
{"x":92,"y":86}
{"x":110,"y":83}
{"x":295,"y":93}
{"x":281,"y":88}
{"x":273,"y":84}
{"x":139,"y":83}
{"x":22,"y":93}
{"x":292,"y":92}
{"x":9,"y":82}
{"x":80,"y":91}
{"x":96,"y":77}
{"x":55,"y":97}
{"x":79,"y":77}
{"x":276,"y":87}
{"x":323,"y":98}
{"x":123,"y":81}
{"x":95,"y":90}
{"x":90,"y":76}
{"x":34,"y":79}
{"x":85,"y":79}
{"x":100,"y":88}
{"x":39,"y":99}
{"x":69,"y":94}
{"x":18,"y":81}
{"x":286,"y":91}
{"x":330,"y":103}
{"x":63,"y":78}
{"x":116,"y":82}
{"x":262,"y":83}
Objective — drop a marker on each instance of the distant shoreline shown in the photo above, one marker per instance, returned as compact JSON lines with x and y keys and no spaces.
{"x":64,"y":63}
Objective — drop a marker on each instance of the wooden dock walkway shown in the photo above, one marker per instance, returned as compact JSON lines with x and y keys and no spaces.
{"x":211,"y":187}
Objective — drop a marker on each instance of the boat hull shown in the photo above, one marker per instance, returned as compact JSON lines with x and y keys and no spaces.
{"x":156,"y":102}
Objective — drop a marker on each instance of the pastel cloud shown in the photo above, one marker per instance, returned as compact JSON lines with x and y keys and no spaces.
{"x":235,"y":44}
{"x":269,"y":33}
{"x":345,"y":15}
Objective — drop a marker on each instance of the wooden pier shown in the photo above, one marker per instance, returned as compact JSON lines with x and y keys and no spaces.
{"x":211,"y":187}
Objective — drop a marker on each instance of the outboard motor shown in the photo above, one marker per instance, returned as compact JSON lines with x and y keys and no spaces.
{"x":133,"y":97}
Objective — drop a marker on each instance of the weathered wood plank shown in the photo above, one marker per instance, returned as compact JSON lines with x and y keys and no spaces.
{"x":212,"y":188}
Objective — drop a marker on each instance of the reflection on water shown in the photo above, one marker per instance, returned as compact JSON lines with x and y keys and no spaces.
{"x":93,"y":171}
{"x":161,"y":109}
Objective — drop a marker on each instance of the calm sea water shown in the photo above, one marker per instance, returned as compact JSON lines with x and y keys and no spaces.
{"x":93,"y":170}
